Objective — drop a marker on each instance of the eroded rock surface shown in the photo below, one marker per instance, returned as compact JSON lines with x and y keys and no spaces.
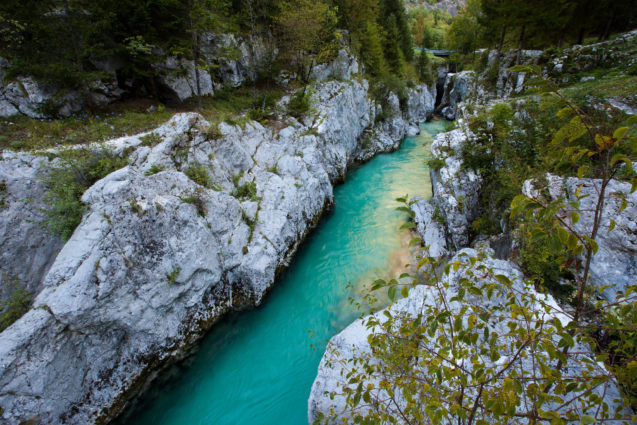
{"x":159,"y":257}
{"x":28,"y":249}
{"x":455,"y":189}
{"x":615,"y":263}
{"x":352,"y":342}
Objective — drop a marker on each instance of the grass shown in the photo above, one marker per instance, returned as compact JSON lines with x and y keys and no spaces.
{"x":23,"y":133}
{"x":78,"y":170}
{"x":130,"y":117}
{"x":18,"y":303}
{"x":610,"y":85}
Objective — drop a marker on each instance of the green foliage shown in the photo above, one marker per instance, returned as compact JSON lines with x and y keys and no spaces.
{"x":382,"y":90}
{"x":3,"y":194}
{"x":308,"y":31}
{"x":154,"y":169}
{"x":485,"y":225}
{"x":246,"y":190}
{"x":151,"y":139}
{"x":435,"y":164}
{"x":619,"y":326}
{"x":199,"y":175}
{"x":14,"y":307}
{"x":23,"y":133}
{"x":486,"y":348}
{"x":173,"y":275}
{"x":197,"y":199}
{"x":76,"y":171}
{"x":301,"y":102}
{"x":424,"y":69}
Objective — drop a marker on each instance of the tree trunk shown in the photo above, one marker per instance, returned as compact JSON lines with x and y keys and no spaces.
{"x":520,"y":44}
{"x":501,"y":44}
{"x":580,"y":38}
{"x":608,"y":24}
{"x":195,"y":54}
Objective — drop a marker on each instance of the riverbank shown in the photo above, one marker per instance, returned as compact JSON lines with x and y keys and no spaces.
{"x":198,"y":224}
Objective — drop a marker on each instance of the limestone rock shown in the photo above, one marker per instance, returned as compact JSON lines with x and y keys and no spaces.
{"x":28,"y":250}
{"x":430,"y":230}
{"x":177,"y":81}
{"x":615,"y":263}
{"x":155,"y":247}
{"x":341,"y":68}
{"x":457,"y":88}
{"x":455,"y":189}
{"x":352,"y":342}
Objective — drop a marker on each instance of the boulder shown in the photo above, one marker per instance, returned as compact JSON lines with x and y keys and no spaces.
{"x":177,"y":80}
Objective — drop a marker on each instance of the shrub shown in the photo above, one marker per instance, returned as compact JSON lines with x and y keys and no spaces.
{"x":493,"y":73}
{"x":154,"y":169}
{"x":300,"y":103}
{"x":3,"y":194}
{"x":435,"y":163}
{"x":173,"y":275}
{"x":151,"y":139}
{"x":214,"y":132}
{"x":196,"y":198}
{"x":199,"y":175}
{"x":18,"y":303}
{"x":485,"y":225}
{"x":247,"y":190}
{"x":79,"y":170}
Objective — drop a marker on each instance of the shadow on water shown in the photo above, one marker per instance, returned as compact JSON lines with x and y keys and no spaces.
{"x":257,"y":367}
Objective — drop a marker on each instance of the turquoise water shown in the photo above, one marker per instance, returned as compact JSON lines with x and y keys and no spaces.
{"x":257,"y":367}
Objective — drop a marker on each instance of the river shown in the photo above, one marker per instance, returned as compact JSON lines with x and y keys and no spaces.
{"x":257,"y":367}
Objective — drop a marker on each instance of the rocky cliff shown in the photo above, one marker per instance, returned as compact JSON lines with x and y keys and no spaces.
{"x":159,"y":257}
{"x":234,"y":59}
{"x":443,"y":224}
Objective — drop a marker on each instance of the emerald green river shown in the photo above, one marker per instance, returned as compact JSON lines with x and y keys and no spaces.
{"x":257,"y":367}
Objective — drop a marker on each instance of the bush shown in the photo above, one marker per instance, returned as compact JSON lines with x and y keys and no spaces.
{"x":435,"y":164}
{"x":300,"y":103}
{"x":199,"y":175}
{"x":196,"y":198}
{"x":18,"y":303}
{"x":79,"y":170}
{"x":247,"y":190}
{"x":154,"y":169}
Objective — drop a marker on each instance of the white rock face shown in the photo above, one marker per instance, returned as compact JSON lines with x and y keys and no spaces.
{"x":455,"y":190}
{"x":615,"y":263}
{"x":158,"y":258}
{"x":341,"y":68}
{"x":352,"y":342}
{"x":28,"y":250}
{"x":431,"y":232}
{"x":178,"y":80}
{"x":456,"y":89}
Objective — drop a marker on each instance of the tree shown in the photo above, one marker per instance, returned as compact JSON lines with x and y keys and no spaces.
{"x":308,"y":34}
{"x":423,"y":66}
{"x":202,"y":17}
{"x":464,"y":31}
{"x":360,"y":17}
{"x":393,"y":19}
